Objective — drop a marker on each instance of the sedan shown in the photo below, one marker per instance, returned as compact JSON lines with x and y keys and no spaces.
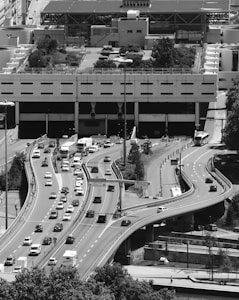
{"x":44,"y":163}
{"x":107,"y":159}
{"x":53,"y":195}
{"x":58,"y":227}
{"x":65,"y":190}
{"x":108,"y":144}
{"x":70,"y":209}
{"x":66,"y":216}
{"x":213,"y":188}
{"x":47,"y":150}
{"x":79,"y":192}
{"x":39,"y":228}
{"x":60,"y":205}
{"x":75,"y":202}
{"x":48,"y":182}
{"x":70,"y":239}
{"x":53,"y":215}
{"x":47,"y":240}
{"x":48,"y":175}
{"x":108,"y":172}
{"x":208,"y":180}
{"x":63,"y":199}
{"x":9,"y":261}
{"x":161,"y":208}
{"x":126,"y":222}
{"x":27,"y":241}
{"x":52,"y":261}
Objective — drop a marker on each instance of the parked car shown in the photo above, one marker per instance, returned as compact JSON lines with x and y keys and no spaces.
{"x":66,"y":217}
{"x":70,"y":209}
{"x":48,"y":182}
{"x":65,"y":190}
{"x":44,"y":163}
{"x":48,"y":175}
{"x":47,"y":150}
{"x":52,"y":144}
{"x":107,"y":158}
{"x":60,"y":205}
{"x":75,"y":202}
{"x":53,"y":195}
{"x":108,"y":172}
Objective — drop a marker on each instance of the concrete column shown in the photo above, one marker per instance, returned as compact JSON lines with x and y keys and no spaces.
{"x":149,"y":233}
{"x":127,"y":244}
{"x":17,"y":114}
{"x":76,"y":117}
{"x":197,"y":115}
{"x":136,"y":115}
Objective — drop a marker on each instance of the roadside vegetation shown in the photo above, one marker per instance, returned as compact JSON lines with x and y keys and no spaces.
{"x":107,"y":283}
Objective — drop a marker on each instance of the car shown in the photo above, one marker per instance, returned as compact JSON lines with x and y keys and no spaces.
{"x":47,"y":240}
{"x":119,"y":141}
{"x":163,"y":260}
{"x":52,"y":261}
{"x":9,"y":261}
{"x":70,"y":239}
{"x":101,"y":219}
{"x":211,"y":227}
{"x":40,"y":146}
{"x":48,"y":182}
{"x":108,"y":144}
{"x":70,"y":209}
{"x":78,"y":172}
{"x":60,"y":205}
{"x":35,"y":249}
{"x":63,"y":199}
{"x":161,"y":208}
{"x":94,"y":170}
{"x":17,"y":269}
{"x":36,"y":154}
{"x":58,"y":227}
{"x":110,"y":188}
{"x":108,"y":172}
{"x":97,"y":199}
{"x":90,"y":214}
{"x":75,"y":202}
{"x":39,"y":228}
{"x":52,"y":144}
{"x":208,"y":180}
{"x":213,"y":188}
{"x":107,"y":159}
{"x":126,"y":222}
{"x":65,"y":190}
{"x":79,"y":192}
{"x":66,"y":217}
{"x":48,"y":175}
{"x":65,"y":168}
{"x":47,"y":150}
{"x":44,"y":163}
{"x":27,"y":241}
{"x":93,"y":148}
{"x":53,"y":195}
{"x":53,"y":215}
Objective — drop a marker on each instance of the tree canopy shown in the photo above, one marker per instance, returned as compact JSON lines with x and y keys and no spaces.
{"x":61,"y":283}
{"x":231,"y":130}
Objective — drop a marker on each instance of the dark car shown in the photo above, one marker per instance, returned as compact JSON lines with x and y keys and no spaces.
{"x":94,"y":170}
{"x":40,"y":146}
{"x":47,"y":150}
{"x":65,"y":190}
{"x":75,"y":202}
{"x":213,"y":188}
{"x":58,"y":227}
{"x":90,"y":214}
{"x":126,"y":222}
{"x":9,"y":261}
{"x":47,"y":240}
{"x":53,"y":215}
{"x":101,"y":219}
{"x":39,"y":228}
{"x":97,"y":199}
{"x":44,"y":163}
{"x":208,"y":180}
{"x":52,"y":144}
{"x":110,"y":188}
{"x":70,"y":239}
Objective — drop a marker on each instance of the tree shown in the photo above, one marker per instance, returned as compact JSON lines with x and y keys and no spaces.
{"x":163,"y":53}
{"x":210,"y":242}
{"x":232,"y":95}
{"x":105,"y":64}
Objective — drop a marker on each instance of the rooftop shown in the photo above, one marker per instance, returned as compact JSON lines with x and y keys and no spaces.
{"x":111,"y":6}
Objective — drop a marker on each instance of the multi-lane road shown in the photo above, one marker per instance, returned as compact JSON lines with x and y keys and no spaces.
{"x":96,"y":243}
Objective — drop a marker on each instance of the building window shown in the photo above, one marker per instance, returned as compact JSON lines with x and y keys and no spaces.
{"x":67,"y":83}
{"x":106,"y":83}
{"x":46,"y":83}
{"x":166,"y":93}
{"x":167,"y":83}
{"x":7,"y":93}
{"x":26,"y":93}
{"x":6,"y":83}
{"x":129,"y":31}
{"x":146,"y":93}
{"x":126,"y":93}
{"x":139,"y":31}
{"x":46,"y":93}
{"x":187,"y":93}
{"x":126,"y":83}
{"x":106,"y":93}
{"x":208,"y":83}
{"x":207,"y":93}
{"x":86,"y":93}
{"x":86,"y":83}
{"x":27,"y":83}
{"x":146,"y":83}
{"x":65,"y":93}
{"x":187,"y":83}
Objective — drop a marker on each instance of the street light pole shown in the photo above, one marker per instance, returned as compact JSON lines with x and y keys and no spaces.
{"x":6,"y":103}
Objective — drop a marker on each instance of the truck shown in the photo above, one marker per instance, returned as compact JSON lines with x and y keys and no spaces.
{"x":67,"y":150}
{"x":83,"y":145}
{"x":70,"y":258}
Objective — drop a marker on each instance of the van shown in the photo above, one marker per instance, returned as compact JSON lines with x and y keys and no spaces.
{"x":35,"y":249}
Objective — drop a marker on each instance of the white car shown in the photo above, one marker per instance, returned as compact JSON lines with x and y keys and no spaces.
{"x":52,"y":261}
{"x":36,"y":154}
{"x":66,"y":216}
{"x":48,"y":175}
{"x":48,"y":182}
{"x":161,"y":208}
{"x":79,"y":192}
{"x":60,"y":205}
{"x":93,"y":148}
{"x":108,"y":144}
{"x":78,"y":172}
{"x":65,"y":168}
{"x":17,"y":269}
{"x":27,"y":241}
{"x":108,"y":172}
{"x":70,"y":209}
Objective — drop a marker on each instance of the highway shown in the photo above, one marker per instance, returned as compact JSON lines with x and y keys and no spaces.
{"x":97,"y":243}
